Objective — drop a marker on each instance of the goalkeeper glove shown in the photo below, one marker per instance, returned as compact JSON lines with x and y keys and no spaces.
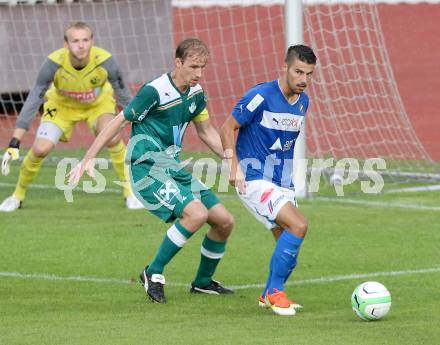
{"x":11,"y":154}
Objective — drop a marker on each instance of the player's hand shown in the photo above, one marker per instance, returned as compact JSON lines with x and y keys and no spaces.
{"x":237,"y":179}
{"x":12,"y":153}
{"x":85,"y":165}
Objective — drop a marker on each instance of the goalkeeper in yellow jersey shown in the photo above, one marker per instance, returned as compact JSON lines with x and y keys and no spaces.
{"x":76,"y":83}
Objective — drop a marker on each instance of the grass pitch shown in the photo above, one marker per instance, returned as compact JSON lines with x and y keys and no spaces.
{"x":68,"y":273}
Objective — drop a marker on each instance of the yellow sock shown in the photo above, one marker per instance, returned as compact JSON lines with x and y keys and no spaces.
{"x":29,"y":169}
{"x":117,"y":155}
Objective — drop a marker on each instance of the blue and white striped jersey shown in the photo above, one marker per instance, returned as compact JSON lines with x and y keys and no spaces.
{"x":269,"y":128}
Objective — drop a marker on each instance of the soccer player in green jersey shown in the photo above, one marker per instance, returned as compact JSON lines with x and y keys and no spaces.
{"x":159,"y":114}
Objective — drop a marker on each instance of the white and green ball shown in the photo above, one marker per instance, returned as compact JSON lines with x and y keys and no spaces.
{"x":371,"y":301}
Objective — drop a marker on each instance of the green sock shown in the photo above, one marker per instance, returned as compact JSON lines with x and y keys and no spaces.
{"x":211,"y":253}
{"x":174,"y":240}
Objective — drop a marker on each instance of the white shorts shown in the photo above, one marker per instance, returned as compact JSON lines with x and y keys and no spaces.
{"x":264,"y":200}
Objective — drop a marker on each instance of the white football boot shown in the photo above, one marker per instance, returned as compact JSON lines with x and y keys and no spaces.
{"x":10,"y":204}
{"x":133,"y":203}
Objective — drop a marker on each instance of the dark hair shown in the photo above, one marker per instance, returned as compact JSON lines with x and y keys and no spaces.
{"x":300,"y":52}
{"x":77,"y":25}
{"x":191,"y":46}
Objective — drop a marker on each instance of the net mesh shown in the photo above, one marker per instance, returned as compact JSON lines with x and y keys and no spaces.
{"x":355,"y":110}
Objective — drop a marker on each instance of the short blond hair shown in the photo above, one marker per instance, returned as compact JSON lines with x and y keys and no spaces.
{"x":77,"y":25}
{"x":190,"y":47}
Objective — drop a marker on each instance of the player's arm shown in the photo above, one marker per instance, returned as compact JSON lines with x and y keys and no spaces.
{"x":136,"y":111}
{"x":109,"y":131}
{"x":28,"y":112}
{"x":207,"y":133}
{"x":115,"y":78}
{"x":228,"y":134}
{"x":87,"y":163}
{"x":242,"y":115}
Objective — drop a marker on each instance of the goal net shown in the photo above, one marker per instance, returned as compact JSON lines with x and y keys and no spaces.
{"x":355,"y":110}
{"x":137,"y":33}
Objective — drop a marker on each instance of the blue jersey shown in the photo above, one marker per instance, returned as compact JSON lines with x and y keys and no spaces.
{"x":269,"y":128}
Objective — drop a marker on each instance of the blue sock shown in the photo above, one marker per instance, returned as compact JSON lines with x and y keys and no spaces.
{"x":283,"y":260}
{"x":270,"y":274}
{"x":268,"y":278}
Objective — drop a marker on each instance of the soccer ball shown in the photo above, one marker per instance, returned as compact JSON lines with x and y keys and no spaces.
{"x":371,"y":301}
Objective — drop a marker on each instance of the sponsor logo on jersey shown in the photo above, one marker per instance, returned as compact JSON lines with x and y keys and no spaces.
{"x":82,"y":97}
{"x":192,"y":107}
{"x":281,"y":121}
{"x":145,"y":112}
{"x":255,"y":102}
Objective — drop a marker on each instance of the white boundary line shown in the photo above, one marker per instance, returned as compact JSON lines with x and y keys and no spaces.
{"x":342,"y":200}
{"x":330,"y":279}
{"x":320,"y":280}
{"x":413,"y":189}
{"x":48,"y":186}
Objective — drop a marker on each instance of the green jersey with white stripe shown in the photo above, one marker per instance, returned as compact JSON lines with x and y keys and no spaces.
{"x":160,"y":113}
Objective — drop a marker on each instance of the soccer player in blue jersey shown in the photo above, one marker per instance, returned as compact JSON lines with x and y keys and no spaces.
{"x":268,"y":119}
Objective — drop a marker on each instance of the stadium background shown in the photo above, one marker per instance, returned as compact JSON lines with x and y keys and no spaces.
{"x":410,"y":32}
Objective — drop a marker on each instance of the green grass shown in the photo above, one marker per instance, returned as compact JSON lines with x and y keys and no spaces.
{"x":96,"y":237}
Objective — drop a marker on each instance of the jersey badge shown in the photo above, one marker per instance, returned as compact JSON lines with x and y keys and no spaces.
{"x":288,"y":144}
{"x":192,"y":107}
{"x":95,"y":80}
{"x":255,"y":102}
{"x":168,"y":191}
